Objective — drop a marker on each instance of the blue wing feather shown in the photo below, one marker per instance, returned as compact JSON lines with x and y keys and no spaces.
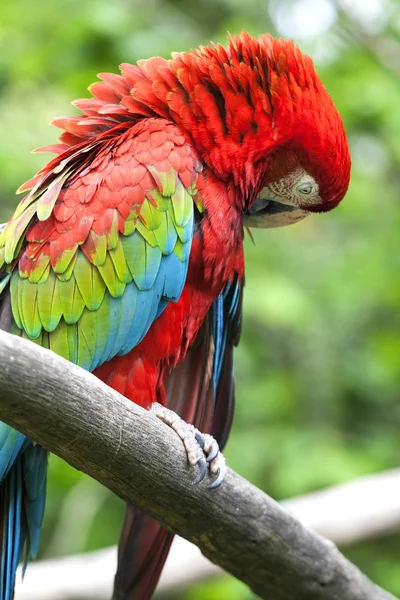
{"x":227,"y":312}
{"x":22,"y":496}
{"x":34,"y":466}
{"x":12,"y":444}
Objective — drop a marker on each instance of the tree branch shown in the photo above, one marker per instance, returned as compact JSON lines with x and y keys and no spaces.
{"x":96,"y":430}
{"x":361,"y":509}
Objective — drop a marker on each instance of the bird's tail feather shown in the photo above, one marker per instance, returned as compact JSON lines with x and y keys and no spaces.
{"x":11,"y":530}
{"x":23,"y":469}
{"x":143,"y":549}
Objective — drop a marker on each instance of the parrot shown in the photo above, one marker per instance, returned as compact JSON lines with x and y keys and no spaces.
{"x":125,"y":256}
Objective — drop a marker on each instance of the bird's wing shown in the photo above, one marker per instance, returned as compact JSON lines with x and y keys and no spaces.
{"x":100,"y":245}
{"x":91,"y":257}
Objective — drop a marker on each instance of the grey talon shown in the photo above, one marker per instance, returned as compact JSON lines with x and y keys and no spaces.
{"x":214,"y":451}
{"x":201,"y":463}
{"x":199,"y":439}
{"x":218,"y":481}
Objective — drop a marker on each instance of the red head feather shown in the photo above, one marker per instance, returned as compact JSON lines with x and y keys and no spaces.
{"x":254,"y":111}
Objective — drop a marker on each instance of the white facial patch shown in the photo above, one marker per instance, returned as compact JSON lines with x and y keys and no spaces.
{"x":298,"y":188}
{"x":284,"y":201}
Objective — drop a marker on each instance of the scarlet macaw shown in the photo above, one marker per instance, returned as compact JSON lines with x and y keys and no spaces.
{"x":126,"y":255}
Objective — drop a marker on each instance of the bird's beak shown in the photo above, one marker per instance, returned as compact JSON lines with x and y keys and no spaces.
{"x":270,"y":213}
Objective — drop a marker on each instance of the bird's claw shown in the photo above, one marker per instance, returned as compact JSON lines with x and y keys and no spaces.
{"x":214,"y":451}
{"x":215,"y":458}
{"x":208,"y":444}
{"x":202,"y":465}
{"x":201,"y":448}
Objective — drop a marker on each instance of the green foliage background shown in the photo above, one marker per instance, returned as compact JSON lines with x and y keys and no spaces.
{"x":318,"y":366}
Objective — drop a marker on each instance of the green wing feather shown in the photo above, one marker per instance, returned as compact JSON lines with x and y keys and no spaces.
{"x":88,"y":285}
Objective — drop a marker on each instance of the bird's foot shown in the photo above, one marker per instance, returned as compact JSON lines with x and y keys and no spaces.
{"x":201,"y":448}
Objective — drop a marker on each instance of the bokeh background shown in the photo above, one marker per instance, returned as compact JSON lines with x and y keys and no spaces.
{"x":318,"y":367}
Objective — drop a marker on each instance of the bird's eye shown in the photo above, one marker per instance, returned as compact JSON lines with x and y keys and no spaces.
{"x":305,"y":188}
